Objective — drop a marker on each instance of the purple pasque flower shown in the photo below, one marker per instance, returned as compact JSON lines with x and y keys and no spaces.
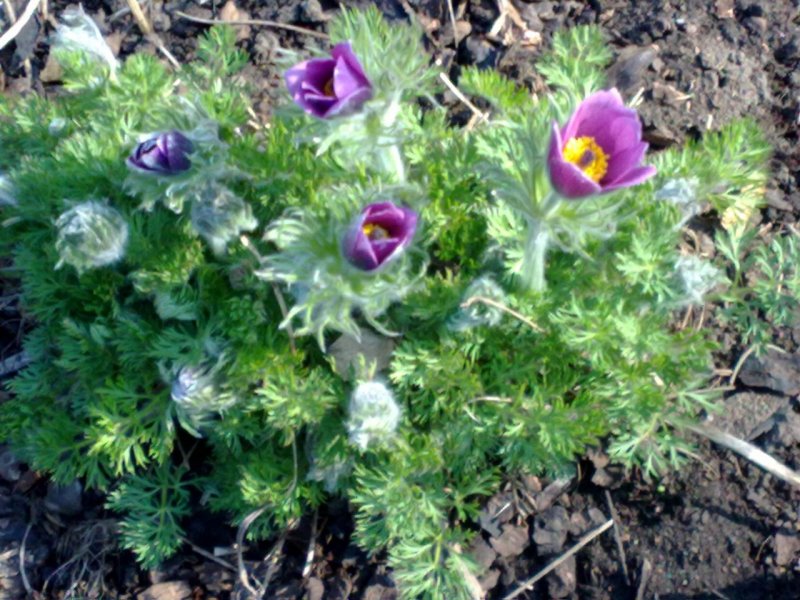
{"x":380,"y":233}
{"x":162,"y":154}
{"x":330,"y":87}
{"x":600,"y":149}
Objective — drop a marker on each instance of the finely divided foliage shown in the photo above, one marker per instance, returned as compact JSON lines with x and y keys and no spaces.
{"x":185,"y":302}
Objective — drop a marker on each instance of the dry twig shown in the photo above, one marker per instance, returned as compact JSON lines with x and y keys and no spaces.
{"x":14,"y":30}
{"x":644,"y":579}
{"x":260,"y":22}
{"x":748,"y":451}
{"x":500,"y":306}
{"x":740,"y":364}
{"x":22,"y":571}
{"x":528,"y":584}
{"x":150,"y":34}
{"x":617,"y":538}
{"x":244,"y":576}
{"x":477,"y":113}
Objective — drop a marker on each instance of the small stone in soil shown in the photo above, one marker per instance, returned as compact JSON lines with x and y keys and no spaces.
{"x":489,"y":579}
{"x":168,"y":590}
{"x":550,"y":530}
{"x":499,"y":509}
{"x":482,"y":552}
{"x":315,"y":589}
{"x":9,"y":465}
{"x":778,"y":371}
{"x":381,"y":587}
{"x":562,"y":581}
{"x":477,"y":51}
{"x":65,"y":499}
{"x":512,"y":542}
{"x":787,"y":546}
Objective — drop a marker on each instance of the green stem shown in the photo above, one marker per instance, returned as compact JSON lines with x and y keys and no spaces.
{"x":535,"y":257}
{"x":395,"y":158}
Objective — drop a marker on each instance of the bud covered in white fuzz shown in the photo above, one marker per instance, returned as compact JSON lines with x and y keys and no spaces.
{"x":198,"y":396}
{"x":57,"y":127}
{"x":7,"y":197}
{"x":78,"y":32}
{"x":478,"y":313}
{"x":91,"y":234}
{"x":683,"y":194}
{"x":373,"y":415}
{"x":219,"y":216}
{"x":698,"y":277}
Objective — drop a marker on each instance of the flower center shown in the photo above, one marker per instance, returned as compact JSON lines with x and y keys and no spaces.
{"x":374,"y":232}
{"x":586,"y":154}
{"x":327,"y":89}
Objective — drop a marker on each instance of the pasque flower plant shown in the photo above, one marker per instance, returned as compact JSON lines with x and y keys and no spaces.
{"x":227,"y":272}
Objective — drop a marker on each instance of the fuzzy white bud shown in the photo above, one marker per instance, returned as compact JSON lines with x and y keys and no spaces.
{"x":698,"y":277}
{"x":7,"y":197}
{"x":219,"y":216}
{"x":78,"y":32}
{"x":373,"y":415}
{"x":682,"y":193}
{"x":198,"y":396}
{"x":91,"y":234}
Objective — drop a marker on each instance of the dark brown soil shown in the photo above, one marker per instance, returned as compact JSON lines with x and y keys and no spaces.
{"x":719,"y":528}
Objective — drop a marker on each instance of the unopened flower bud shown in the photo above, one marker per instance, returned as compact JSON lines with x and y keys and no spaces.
{"x":77,"y":31}
{"x":698,"y":276}
{"x":373,"y":415}
{"x":90,"y":235}
{"x":220,"y":216}
{"x":162,"y":154}
{"x":682,"y":193}
{"x":57,"y":127}
{"x":7,"y":197}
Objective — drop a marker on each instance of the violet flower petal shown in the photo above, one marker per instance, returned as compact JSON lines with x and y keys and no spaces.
{"x":163,"y":154}
{"x":369,"y":253}
{"x":617,"y":130}
{"x":329,"y":87}
{"x":633,"y":177}
{"x":624,"y":161}
{"x":566,"y":178}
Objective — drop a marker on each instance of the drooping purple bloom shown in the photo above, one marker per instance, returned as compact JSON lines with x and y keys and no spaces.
{"x":600,"y":149}
{"x":163,"y":154}
{"x":329,"y":87}
{"x":380,"y":233}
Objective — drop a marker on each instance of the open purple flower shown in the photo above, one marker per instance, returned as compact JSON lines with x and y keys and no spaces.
{"x":329,"y":87}
{"x":163,"y":154}
{"x":599,"y":150}
{"x":379,"y":234}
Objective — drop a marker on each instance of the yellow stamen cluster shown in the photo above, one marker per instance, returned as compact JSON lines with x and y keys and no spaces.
{"x":586,"y":154}
{"x":327,"y":89}
{"x":375,"y":232}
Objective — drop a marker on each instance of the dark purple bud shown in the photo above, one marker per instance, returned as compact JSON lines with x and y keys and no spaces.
{"x":380,"y":233}
{"x":329,"y":87}
{"x":599,"y":150}
{"x":163,"y":154}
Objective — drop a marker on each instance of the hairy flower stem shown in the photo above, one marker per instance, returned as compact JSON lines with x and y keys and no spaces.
{"x":537,"y":244}
{"x":535,"y":254}
{"x":391,"y":154}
